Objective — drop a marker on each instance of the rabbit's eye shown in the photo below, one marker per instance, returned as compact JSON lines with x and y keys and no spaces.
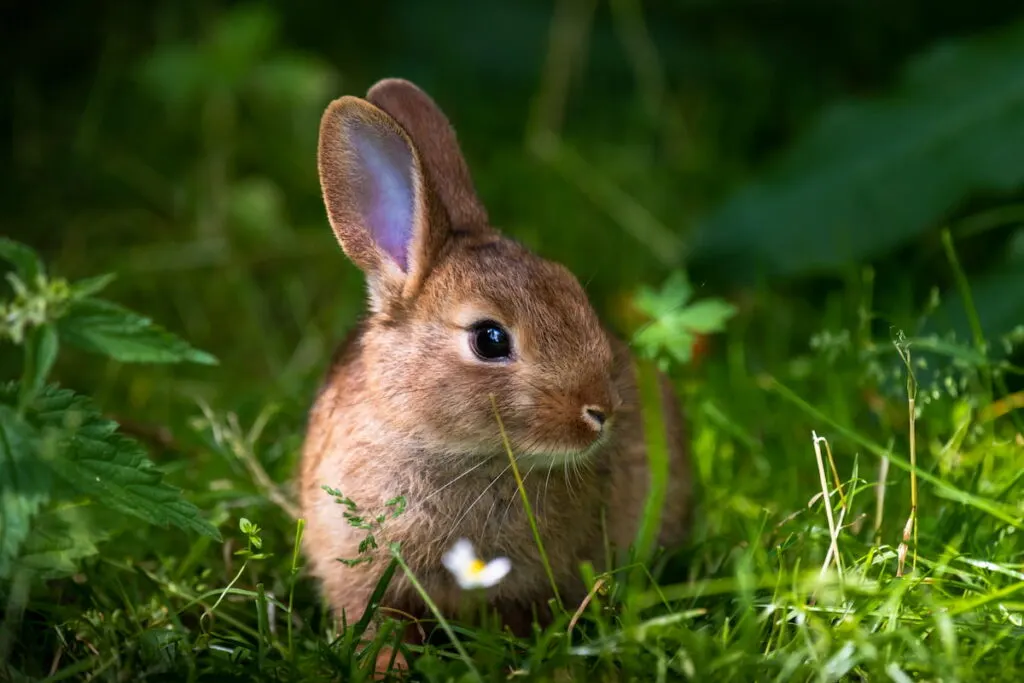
{"x":490,"y":341}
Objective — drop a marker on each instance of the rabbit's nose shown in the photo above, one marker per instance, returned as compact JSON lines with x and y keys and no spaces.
{"x":595,"y":417}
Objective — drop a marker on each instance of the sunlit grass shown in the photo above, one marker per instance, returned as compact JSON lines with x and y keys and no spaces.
{"x":795,"y":570}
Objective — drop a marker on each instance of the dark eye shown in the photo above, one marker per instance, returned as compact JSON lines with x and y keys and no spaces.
{"x":490,"y":340}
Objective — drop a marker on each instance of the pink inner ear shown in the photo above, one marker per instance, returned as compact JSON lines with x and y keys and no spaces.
{"x":384,"y":189}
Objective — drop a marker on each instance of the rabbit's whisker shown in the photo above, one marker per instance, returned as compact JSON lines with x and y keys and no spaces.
{"x":442,"y":488}
{"x":568,"y":482}
{"x":471,"y":505}
{"x":547,"y":485}
{"x":490,"y":511}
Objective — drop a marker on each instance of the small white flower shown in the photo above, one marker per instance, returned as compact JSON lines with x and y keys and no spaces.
{"x":472,"y":572}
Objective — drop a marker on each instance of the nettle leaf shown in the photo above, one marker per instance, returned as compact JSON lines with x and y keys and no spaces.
{"x":90,"y":286}
{"x":25,"y":260}
{"x":109,"y":329}
{"x":24,"y":482}
{"x":94,"y":459}
{"x":59,"y":540}
{"x":873,"y":174}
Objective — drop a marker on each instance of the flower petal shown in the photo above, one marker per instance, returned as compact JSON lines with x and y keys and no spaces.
{"x":495,"y":571}
{"x":460,"y":557}
{"x":467,"y":582}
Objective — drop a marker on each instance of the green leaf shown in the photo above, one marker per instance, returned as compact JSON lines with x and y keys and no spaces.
{"x":94,"y":459}
{"x":40,"y":355}
{"x":708,"y":315}
{"x":872,"y":175}
{"x":24,"y":483}
{"x":675,"y":324}
{"x":91,"y":285}
{"x":109,"y":329}
{"x":25,"y":260}
{"x":674,"y":294}
{"x":659,"y":338}
{"x":59,"y":540}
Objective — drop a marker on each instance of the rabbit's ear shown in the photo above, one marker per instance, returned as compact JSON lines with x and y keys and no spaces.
{"x":376,"y":198}
{"x":438,"y":148}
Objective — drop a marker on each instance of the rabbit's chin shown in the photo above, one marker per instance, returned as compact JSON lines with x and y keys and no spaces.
{"x":565,"y":456}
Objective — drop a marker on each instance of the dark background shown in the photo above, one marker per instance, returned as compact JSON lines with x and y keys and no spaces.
{"x":174,"y":143}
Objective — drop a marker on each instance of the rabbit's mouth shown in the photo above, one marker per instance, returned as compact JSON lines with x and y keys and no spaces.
{"x":564,"y":455}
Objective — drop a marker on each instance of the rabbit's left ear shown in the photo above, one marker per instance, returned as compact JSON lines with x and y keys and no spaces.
{"x":377,"y":199}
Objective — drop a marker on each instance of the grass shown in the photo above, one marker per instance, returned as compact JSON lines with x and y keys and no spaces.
{"x":801,"y":567}
{"x":860,"y":487}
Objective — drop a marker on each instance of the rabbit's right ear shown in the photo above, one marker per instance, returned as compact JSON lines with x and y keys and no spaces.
{"x":438,"y":148}
{"x":376,"y":198}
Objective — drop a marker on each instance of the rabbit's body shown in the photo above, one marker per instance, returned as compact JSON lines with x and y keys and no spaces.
{"x":463,"y":320}
{"x":351,"y":447}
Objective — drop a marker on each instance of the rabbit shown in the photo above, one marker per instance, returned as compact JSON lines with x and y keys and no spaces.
{"x":460,"y":315}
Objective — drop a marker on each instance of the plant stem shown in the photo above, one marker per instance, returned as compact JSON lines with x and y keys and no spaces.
{"x":432,"y":606}
{"x":972,"y":312}
{"x":833,"y":528}
{"x":262,"y":623}
{"x":657,"y":459}
{"x":300,"y":526}
{"x":526,"y":504}
{"x":1003,"y":513}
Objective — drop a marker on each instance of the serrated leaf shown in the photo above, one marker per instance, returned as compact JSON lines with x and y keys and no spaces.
{"x":872,"y":175}
{"x":109,"y":329}
{"x":94,"y":459}
{"x":24,"y":483}
{"x":25,"y":260}
{"x":60,"y":539}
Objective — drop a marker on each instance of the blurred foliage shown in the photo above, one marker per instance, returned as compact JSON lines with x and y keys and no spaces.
{"x":63,"y":468}
{"x":182,"y":142}
{"x":871,"y":176}
{"x":799,"y":159}
{"x":176,"y":146}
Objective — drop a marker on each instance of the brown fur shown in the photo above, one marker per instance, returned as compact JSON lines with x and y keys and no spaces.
{"x":406,"y":411}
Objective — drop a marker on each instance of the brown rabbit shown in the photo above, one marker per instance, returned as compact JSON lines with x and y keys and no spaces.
{"x":458,"y":314}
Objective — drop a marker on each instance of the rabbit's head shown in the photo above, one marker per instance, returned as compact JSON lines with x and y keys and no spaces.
{"x":458,"y":313}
